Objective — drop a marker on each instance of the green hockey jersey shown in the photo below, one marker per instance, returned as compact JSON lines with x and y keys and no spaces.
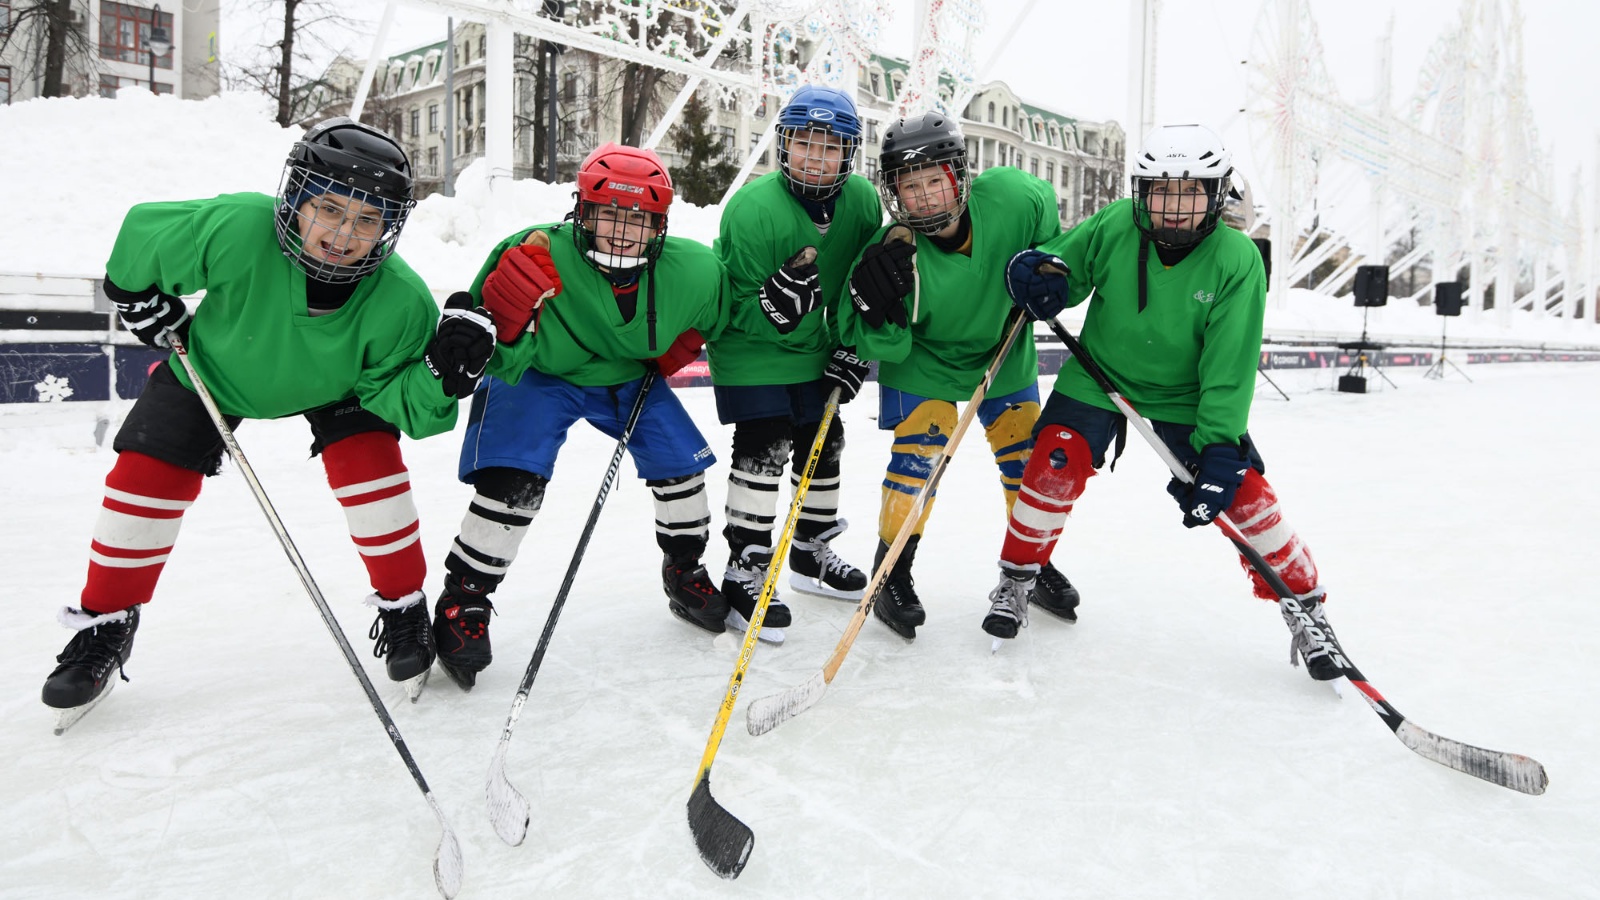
{"x":581,"y":337}
{"x":1190,"y":357}
{"x":957,"y":316}
{"x":254,"y":342}
{"x":763,"y":227}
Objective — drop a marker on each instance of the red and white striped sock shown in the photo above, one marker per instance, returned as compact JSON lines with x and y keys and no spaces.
{"x":140,"y":516}
{"x":1057,"y":473}
{"x":371,"y":482}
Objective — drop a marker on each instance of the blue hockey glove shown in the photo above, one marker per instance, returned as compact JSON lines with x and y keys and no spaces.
{"x":1043,"y":294}
{"x":1222,"y":468}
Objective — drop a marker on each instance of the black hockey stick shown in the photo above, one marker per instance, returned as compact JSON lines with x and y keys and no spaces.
{"x":725,"y":842}
{"x":508,"y":810}
{"x":1511,"y":770}
{"x":448,"y":866}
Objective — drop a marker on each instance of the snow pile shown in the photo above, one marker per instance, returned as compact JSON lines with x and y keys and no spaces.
{"x":89,"y":159}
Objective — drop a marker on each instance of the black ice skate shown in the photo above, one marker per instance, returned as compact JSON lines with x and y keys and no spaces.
{"x":742,"y":583}
{"x":897,"y":605}
{"x":1313,"y":641}
{"x":1008,"y":602}
{"x":815,"y":569}
{"x":1054,"y":594}
{"x":691,"y":596}
{"x":461,"y":630}
{"x":101,"y":646}
{"x":403,"y":639}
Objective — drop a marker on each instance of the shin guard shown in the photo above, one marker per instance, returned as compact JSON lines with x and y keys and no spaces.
{"x":1011,"y":438}
{"x":918,"y":441}
{"x":371,"y":482}
{"x":1256,"y":512}
{"x":140,"y":516}
{"x":683,"y":515}
{"x":1059,"y":469}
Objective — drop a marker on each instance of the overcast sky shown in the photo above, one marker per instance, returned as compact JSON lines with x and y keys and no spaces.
{"x":1073,"y":56}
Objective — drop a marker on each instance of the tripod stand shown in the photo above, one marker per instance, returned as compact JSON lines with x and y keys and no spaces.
{"x":1354,"y":381}
{"x":1437,"y":369}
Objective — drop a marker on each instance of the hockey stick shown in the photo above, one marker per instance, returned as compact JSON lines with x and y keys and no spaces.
{"x":724,"y":841}
{"x":509,"y":811}
{"x":448,"y":866}
{"x":1511,"y":770}
{"x":766,"y":713}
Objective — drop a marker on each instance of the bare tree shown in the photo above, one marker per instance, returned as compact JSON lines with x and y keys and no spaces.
{"x":50,"y":43}
{"x":273,"y":72}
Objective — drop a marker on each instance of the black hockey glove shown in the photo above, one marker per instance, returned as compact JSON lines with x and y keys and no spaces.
{"x":148,"y":314}
{"x":792,"y":291}
{"x":1222,"y":468}
{"x":462,"y":343}
{"x":881,"y":282}
{"x":1037,"y":283}
{"x":846,"y":371}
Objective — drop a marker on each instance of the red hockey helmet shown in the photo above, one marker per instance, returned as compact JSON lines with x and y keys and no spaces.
{"x":621,"y":213}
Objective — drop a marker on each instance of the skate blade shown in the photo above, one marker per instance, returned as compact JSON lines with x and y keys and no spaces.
{"x":465,"y":679}
{"x":415,"y":685}
{"x":67,"y":718}
{"x":737,"y":623}
{"x":805,"y":584}
{"x":909,"y":632}
{"x":713,"y":627}
{"x":995,"y":645}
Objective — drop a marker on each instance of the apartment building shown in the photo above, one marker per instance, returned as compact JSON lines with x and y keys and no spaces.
{"x":109,"y":49}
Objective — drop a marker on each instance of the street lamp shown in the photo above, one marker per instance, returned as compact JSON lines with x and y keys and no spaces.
{"x":159,"y":44}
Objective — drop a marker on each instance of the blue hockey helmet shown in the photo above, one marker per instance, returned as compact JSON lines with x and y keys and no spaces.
{"x":818,"y":125}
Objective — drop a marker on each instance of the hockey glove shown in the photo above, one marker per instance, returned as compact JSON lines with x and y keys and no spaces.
{"x":684,"y":350}
{"x":1042,"y":293}
{"x":462,"y":343}
{"x":792,"y":291}
{"x":523,"y":279}
{"x":846,"y":371}
{"x":149,"y":314}
{"x":881,"y":282}
{"x":1222,"y":468}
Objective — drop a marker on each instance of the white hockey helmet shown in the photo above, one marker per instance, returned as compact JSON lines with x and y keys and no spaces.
{"x":1181,"y":152}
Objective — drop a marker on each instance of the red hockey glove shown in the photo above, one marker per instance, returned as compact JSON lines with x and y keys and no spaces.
{"x":524,"y":278}
{"x":684,"y":350}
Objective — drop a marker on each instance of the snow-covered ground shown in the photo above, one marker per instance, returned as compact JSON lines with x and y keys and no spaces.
{"x":1161,"y":747}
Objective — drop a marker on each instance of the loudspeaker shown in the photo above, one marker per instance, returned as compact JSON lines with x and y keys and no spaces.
{"x":1352,"y":384}
{"x":1372,"y":285}
{"x":1447,"y":298}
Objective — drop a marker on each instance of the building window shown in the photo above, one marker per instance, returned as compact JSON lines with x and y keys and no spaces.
{"x":872,"y":132}
{"x":416,"y":121}
{"x":433,"y":118}
{"x":869,"y":168}
{"x":5,"y":18}
{"x":124,"y":31}
{"x":991,"y":113}
{"x":1033,"y":166}
{"x":1049,"y":170}
{"x":1066,"y":177}
{"x":5,"y":85}
{"x":877,"y":85}
{"x":483,"y":46}
{"x":1005,"y":117}
{"x":433,"y":158}
{"x":569,"y":87}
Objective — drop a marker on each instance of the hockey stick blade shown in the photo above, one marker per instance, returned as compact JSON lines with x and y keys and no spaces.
{"x":766,"y":713}
{"x":724,"y":842}
{"x":1509,"y":770}
{"x":449,"y":867}
{"x":509,"y":811}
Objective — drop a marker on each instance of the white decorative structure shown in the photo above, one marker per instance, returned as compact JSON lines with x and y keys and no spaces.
{"x":1460,"y":168}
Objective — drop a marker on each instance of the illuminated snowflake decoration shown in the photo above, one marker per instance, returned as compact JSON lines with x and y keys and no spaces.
{"x":53,"y":389}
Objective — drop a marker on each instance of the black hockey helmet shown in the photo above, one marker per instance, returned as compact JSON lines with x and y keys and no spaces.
{"x":344,"y":157}
{"x":916,"y":142}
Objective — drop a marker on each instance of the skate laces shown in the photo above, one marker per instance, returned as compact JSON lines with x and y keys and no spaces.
{"x":399,"y":622}
{"x":822,"y":551}
{"x":98,"y":648}
{"x":1010,"y":598}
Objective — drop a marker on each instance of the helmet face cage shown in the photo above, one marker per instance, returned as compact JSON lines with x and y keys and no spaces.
{"x":343,"y":199}
{"x":1180,"y":184}
{"x":819,"y":135}
{"x":1178,"y":212}
{"x":917,"y":143}
{"x":623,"y":197}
